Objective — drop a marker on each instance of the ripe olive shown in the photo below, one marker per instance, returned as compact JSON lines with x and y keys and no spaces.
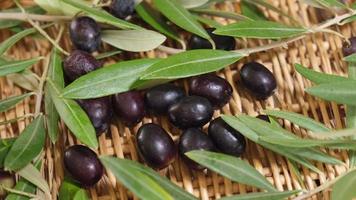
{"x":79,"y":63}
{"x":129,"y":107}
{"x":85,"y":34}
{"x":349,"y":48}
{"x":159,"y":98}
{"x":216,"y":89}
{"x":155,"y":146}
{"x":122,"y":8}
{"x":99,"y":111}
{"x":226,"y":139}
{"x":263,"y":117}
{"x":83,"y":165}
{"x":222,"y":42}
{"x":194,"y":139}
{"x":8,"y":180}
{"x":258,"y":80}
{"x":191,"y":111}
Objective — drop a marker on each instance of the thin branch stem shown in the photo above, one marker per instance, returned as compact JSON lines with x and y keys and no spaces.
{"x":16,"y":119}
{"x":18,"y":192}
{"x":35,"y":17}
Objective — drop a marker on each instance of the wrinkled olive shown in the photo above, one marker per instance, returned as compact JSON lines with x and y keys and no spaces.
{"x":222,"y":42}
{"x":129,"y":107}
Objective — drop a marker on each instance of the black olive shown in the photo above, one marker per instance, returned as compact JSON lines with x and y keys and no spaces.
{"x":129,"y":107}
{"x":264,"y":118}
{"x":99,"y":111}
{"x":222,"y":42}
{"x":79,"y":63}
{"x":122,"y":8}
{"x":194,"y":139}
{"x":85,"y":34}
{"x":155,"y":146}
{"x":83,"y":165}
{"x":8,"y":180}
{"x":191,"y":111}
{"x":216,"y":89}
{"x":349,"y":48}
{"x":258,"y":80}
{"x":226,"y":139}
{"x":159,"y":98}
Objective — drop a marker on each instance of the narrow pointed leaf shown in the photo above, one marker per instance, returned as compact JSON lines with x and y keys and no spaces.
{"x":350,"y":58}
{"x":207,"y":21}
{"x":81,"y":195}
{"x":6,"y":23}
{"x":348,"y":132}
{"x":27,"y":146}
{"x":33,"y":175}
{"x":341,"y":92}
{"x":344,"y":188}
{"x":180,"y":16}
{"x":331,"y":3}
{"x":318,"y":77}
{"x":100,"y":15}
{"x":107,"y":54}
{"x":299,"y":119}
{"x":74,"y":117}
{"x":10,"y":102}
{"x":231,"y":167}
{"x":219,"y":13}
{"x":133,"y":40}
{"x":259,"y":29}
{"x":192,"y":3}
{"x":68,"y":190}
{"x":10,"y":67}
{"x":251,"y":11}
{"x":5,"y":45}
{"x":25,"y":79}
{"x":109,"y":80}
{"x":191,"y":63}
{"x":153,"y":18}
{"x":5,"y":145}
{"x":263,"y":195}
{"x":140,"y":184}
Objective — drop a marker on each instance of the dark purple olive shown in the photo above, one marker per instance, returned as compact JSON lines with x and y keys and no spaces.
{"x":129,"y":107}
{"x":99,"y":111}
{"x":258,"y":80}
{"x":264,"y":118}
{"x":194,"y":139}
{"x":79,"y":63}
{"x":216,"y":89}
{"x":226,"y":139}
{"x":8,"y":180}
{"x":222,"y":42}
{"x":83,"y":165}
{"x":161,"y":97}
{"x":155,"y":146}
{"x":191,"y":111}
{"x":349,"y":48}
{"x":122,"y":8}
{"x":85,"y":34}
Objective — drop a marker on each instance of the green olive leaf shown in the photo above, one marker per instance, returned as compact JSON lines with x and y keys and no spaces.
{"x":9,"y":67}
{"x":5,"y":45}
{"x":251,"y":11}
{"x":100,"y":15}
{"x":350,"y":58}
{"x":259,"y":29}
{"x":5,"y":145}
{"x":25,"y":79}
{"x":107,"y":54}
{"x":81,"y":195}
{"x":73,"y":116}
{"x":207,"y":21}
{"x":299,"y":119}
{"x":318,"y":77}
{"x":68,"y":190}
{"x":273,"y":195}
{"x":112,"y":79}
{"x":192,"y":3}
{"x":330,"y":3}
{"x":10,"y":102}
{"x":181,"y":17}
{"x":140,"y":184}
{"x":344,"y":187}
{"x":55,"y":73}
{"x":153,"y":18}
{"x":219,"y":13}
{"x":133,"y":40}
{"x":6,"y":23}
{"x":27,"y":146}
{"x":231,"y":167}
{"x":191,"y":63}
{"x":33,"y":175}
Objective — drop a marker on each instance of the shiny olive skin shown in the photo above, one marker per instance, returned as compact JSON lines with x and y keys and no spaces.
{"x":79,"y":63}
{"x":85,"y":34}
{"x":216,"y":89}
{"x":264,"y":118}
{"x":226,"y":139}
{"x":155,"y":145}
{"x":158,"y":99}
{"x":349,"y":48}
{"x":190,"y":111}
{"x":8,"y":180}
{"x":83,"y":165}
{"x":222,"y":42}
{"x":129,"y":107}
{"x":99,"y":112}
{"x":194,"y":139}
{"x":258,"y":80}
{"x":122,"y":8}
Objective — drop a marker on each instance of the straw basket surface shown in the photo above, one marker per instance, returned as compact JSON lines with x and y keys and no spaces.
{"x":319,"y":51}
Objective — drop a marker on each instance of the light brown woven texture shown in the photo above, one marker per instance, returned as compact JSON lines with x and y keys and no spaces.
{"x":319,"y":51}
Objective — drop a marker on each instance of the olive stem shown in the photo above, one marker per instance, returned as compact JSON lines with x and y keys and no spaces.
{"x":36,"y":17}
{"x":18,"y":192}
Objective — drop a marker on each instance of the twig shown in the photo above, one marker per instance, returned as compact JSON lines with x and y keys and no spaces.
{"x":36,"y":17}
{"x":16,"y":119}
{"x":18,"y":192}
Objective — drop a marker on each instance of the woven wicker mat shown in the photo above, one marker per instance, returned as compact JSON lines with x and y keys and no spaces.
{"x":319,"y":51}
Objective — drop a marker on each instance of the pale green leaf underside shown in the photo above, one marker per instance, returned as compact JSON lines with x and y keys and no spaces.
{"x":263,"y":195}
